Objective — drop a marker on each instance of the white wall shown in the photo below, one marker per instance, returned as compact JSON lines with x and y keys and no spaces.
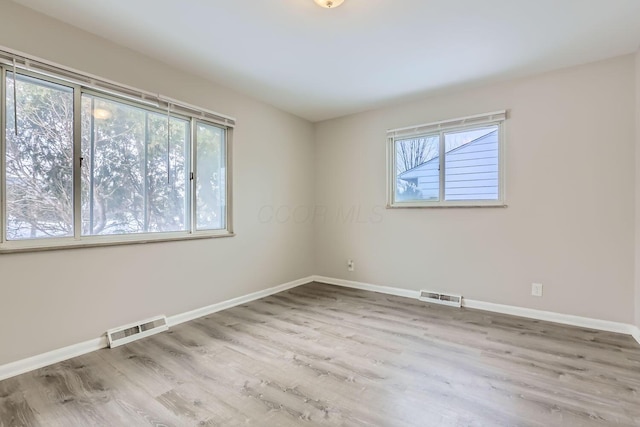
{"x":570,"y":190}
{"x":53,"y":299}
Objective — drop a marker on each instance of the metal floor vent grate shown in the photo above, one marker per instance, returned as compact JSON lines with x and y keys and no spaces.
{"x":135,"y":331}
{"x":438,"y":298}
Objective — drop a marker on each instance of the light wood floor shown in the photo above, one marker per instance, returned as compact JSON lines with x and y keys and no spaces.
{"x":320,"y":354}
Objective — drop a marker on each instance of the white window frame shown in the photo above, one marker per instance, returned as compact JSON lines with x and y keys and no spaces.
{"x":82,"y":83}
{"x":496,"y":118}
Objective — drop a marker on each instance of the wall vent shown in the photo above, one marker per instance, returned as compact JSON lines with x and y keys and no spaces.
{"x":438,"y":298}
{"x":135,"y":331}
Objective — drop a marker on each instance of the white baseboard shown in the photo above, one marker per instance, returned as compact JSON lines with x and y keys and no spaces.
{"x":45,"y":359}
{"x":636,"y":334}
{"x":566,"y":319}
{"x":210,"y":309}
{"x":550,"y":316}
{"x":367,"y":287}
{"x":40,"y":361}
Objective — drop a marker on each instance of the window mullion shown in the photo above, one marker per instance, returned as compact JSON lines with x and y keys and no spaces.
{"x":192,"y":176}
{"x":392,"y":163}
{"x":77,"y":162}
{"x":145,"y":174}
{"x":3,"y":127}
{"x":441,"y":154}
{"x":501,"y":164}
{"x":228,"y":165}
{"x":92,"y":154}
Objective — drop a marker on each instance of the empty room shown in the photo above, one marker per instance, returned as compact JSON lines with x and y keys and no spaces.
{"x":319,"y":212}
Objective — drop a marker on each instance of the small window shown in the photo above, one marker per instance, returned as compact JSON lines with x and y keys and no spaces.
{"x":452,"y":163}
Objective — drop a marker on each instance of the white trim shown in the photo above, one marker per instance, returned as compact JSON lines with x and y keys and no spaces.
{"x":407,"y":293}
{"x":636,"y":333}
{"x":45,"y":359}
{"x":214,"y":308}
{"x":566,"y":319}
{"x":550,"y":316}
{"x":43,"y":244}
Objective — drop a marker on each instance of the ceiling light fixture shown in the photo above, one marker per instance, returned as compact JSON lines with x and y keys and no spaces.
{"x":329,"y":4}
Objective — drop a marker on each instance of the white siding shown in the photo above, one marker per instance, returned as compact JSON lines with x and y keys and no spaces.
{"x":426,"y":177}
{"x":471,"y":172}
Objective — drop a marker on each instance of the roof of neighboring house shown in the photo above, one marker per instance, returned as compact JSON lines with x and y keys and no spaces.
{"x":434,"y":159}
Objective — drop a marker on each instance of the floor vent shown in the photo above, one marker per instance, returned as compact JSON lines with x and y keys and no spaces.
{"x":136,"y":331}
{"x":438,"y":298}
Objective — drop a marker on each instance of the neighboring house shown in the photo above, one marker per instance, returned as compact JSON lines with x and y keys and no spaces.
{"x":471,"y":172}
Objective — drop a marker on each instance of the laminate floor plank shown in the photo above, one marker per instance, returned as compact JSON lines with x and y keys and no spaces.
{"x":324,"y":355}
{"x":85,"y":391}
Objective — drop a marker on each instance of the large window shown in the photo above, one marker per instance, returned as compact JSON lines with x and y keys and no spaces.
{"x":81,"y":166}
{"x":446,"y":164}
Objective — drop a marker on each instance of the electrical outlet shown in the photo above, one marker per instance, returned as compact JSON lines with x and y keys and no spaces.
{"x":536,"y":289}
{"x":351,"y":266}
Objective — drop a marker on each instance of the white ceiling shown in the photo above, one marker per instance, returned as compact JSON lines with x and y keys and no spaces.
{"x":324,"y":63}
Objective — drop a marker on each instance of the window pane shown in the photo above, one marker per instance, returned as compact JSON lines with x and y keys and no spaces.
{"x":39,"y":159}
{"x":417,"y":169}
{"x":133,"y":180}
{"x":471,"y":164}
{"x":210,"y":180}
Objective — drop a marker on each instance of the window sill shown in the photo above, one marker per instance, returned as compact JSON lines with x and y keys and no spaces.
{"x":101,"y":241}
{"x":438,"y":205}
